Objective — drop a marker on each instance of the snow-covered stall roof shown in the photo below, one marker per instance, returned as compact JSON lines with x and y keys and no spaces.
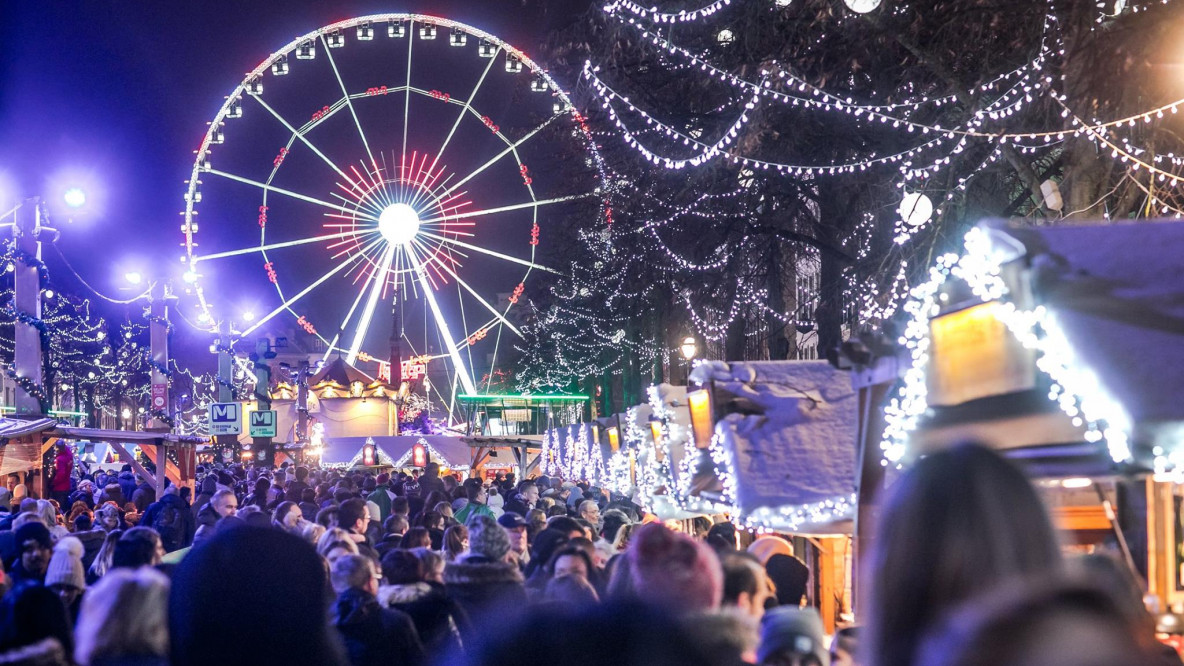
{"x":790,"y":444}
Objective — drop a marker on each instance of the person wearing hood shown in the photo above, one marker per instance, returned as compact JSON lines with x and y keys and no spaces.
{"x":112,"y":492}
{"x":34,"y":548}
{"x":209,"y":486}
{"x":373,"y":635}
{"x":172,"y":518}
{"x":127,"y":483}
{"x":483,"y":580}
{"x":430,"y":480}
{"x":436,"y":617}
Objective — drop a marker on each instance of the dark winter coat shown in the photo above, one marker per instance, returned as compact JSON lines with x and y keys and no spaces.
{"x":373,"y":635}
{"x":113,"y":492}
{"x":92,"y":543}
{"x":80,"y":496}
{"x":516,"y":505}
{"x":481,"y":586}
{"x":207,"y":516}
{"x":427,"y":484}
{"x":437,"y":618}
{"x":172,"y":517}
{"x":143,"y":496}
{"x":127,"y":484}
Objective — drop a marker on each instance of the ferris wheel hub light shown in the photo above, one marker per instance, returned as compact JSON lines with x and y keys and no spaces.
{"x":398,"y":223}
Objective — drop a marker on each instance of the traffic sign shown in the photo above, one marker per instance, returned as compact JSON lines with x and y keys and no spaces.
{"x":263,"y":423}
{"x":226,"y":418}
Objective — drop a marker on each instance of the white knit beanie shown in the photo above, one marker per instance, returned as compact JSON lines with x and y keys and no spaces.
{"x":65,"y":565}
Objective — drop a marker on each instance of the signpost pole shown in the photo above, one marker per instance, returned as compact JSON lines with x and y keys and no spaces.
{"x":264,"y":451}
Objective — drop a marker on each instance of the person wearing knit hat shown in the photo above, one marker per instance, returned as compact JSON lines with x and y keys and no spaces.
{"x":34,"y":547}
{"x":483,"y":581}
{"x":768,"y":546}
{"x":65,"y":575}
{"x":487,"y":538}
{"x":672,"y":570}
{"x":793,"y":636}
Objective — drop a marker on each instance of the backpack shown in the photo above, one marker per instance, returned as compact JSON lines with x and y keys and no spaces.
{"x":167,"y":523}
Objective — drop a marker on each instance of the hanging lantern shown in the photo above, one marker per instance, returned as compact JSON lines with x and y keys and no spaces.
{"x":915,"y":209}
{"x":861,"y":6}
{"x":419,"y":455}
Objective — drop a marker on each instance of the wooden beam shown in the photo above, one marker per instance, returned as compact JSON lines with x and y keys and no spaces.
{"x":479,"y":457}
{"x":130,"y":459}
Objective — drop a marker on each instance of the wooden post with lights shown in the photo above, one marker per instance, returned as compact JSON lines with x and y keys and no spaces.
{"x":158,"y":337}
{"x":27,"y":301}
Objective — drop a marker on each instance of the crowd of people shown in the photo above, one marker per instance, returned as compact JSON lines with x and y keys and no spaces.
{"x":301,"y":565}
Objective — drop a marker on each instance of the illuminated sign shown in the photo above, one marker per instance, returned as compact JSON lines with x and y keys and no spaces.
{"x":700,"y":404}
{"x":974,"y":355}
{"x":369,"y":454}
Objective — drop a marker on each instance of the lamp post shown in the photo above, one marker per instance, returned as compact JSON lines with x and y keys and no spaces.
{"x":688,"y":349}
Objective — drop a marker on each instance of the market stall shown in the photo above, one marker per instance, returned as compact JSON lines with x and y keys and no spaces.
{"x":1064,"y":348}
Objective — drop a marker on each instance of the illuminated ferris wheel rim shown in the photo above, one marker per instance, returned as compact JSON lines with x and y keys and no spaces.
{"x":563,"y":107}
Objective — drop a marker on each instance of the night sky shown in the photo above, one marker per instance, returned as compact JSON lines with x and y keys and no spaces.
{"x":116,"y":96}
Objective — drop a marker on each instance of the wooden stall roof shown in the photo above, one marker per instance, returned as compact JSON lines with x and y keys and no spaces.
{"x":133,"y":436}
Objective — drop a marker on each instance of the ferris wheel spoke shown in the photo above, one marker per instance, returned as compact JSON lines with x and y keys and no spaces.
{"x":479,"y":298}
{"x":303,"y":292}
{"x":348,"y":102}
{"x":493,"y":160}
{"x":407,"y":97}
{"x":300,"y":135}
{"x":376,"y":284}
{"x":505,"y":209}
{"x":441,"y":323}
{"x":295,"y":195}
{"x":276,"y":246}
{"x":468,"y":106}
{"x":492,"y":253}
{"x":344,"y":323}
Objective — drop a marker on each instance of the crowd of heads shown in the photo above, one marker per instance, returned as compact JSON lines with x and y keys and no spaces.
{"x":326,"y":566}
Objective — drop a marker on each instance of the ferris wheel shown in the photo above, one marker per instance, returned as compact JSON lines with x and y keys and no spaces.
{"x":394,"y":164}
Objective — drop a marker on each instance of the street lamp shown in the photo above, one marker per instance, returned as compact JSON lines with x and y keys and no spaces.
{"x":688,"y":348}
{"x":75,"y":197}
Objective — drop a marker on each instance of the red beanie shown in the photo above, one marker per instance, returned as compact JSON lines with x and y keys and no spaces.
{"x":672,"y":570}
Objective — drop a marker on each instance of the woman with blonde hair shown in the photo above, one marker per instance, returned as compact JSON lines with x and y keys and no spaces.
{"x":102,"y":562}
{"x":313,"y":532}
{"x":123,"y":620}
{"x":334,"y":543}
{"x":456,"y":542}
